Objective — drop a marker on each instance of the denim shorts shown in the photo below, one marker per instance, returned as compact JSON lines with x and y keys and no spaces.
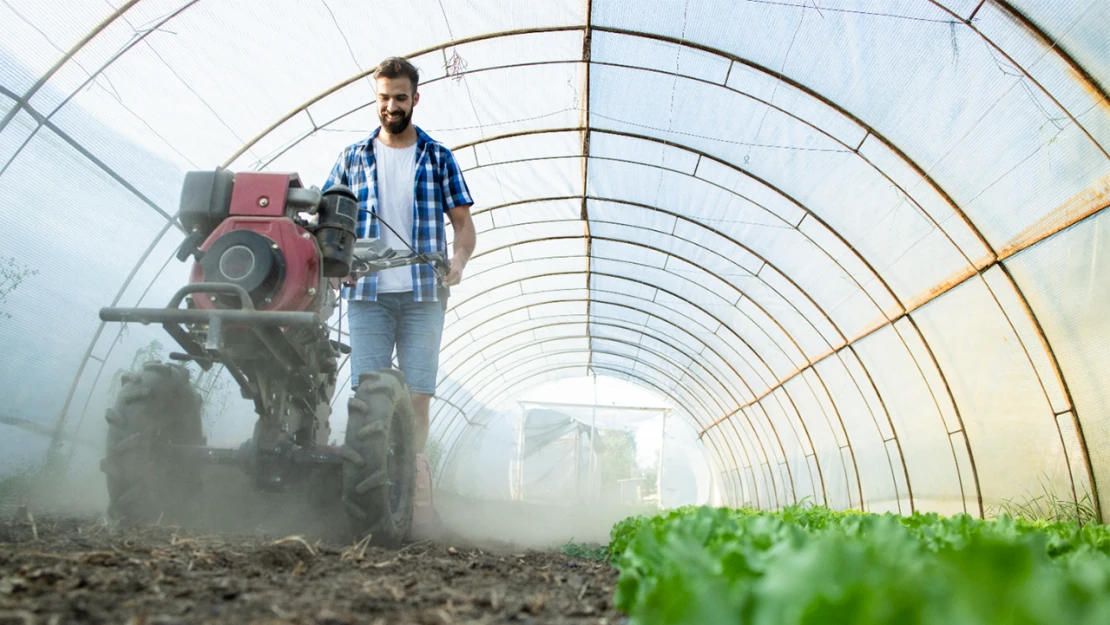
{"x":415,"y":328}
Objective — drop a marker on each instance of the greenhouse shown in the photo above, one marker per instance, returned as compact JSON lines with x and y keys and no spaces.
{"x":848,"y":254}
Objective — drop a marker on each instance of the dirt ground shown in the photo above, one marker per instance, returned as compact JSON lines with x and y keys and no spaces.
{"x":79,"y":569}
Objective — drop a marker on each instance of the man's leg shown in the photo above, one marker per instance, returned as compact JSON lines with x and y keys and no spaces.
{"x":420,"y":328}
{"x":421,"y":404}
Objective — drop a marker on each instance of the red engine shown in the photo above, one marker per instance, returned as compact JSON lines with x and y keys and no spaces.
{"x":266,"y":233}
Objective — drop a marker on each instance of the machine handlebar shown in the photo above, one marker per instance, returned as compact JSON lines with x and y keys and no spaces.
{"x":372,"y":256}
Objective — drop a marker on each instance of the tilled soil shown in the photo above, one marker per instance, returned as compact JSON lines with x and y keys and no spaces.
{"x":79,"y":569}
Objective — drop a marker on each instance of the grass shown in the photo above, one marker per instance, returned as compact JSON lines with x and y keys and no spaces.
{"x":599,"y":553}
{"x":1048,"y":506}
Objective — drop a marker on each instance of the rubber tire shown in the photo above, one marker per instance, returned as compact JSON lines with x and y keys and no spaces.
{"x":155,"y":408}
{"x":379,"y":412}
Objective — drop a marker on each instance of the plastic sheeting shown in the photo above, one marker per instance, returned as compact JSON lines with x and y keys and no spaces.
{"x":857,"y":244}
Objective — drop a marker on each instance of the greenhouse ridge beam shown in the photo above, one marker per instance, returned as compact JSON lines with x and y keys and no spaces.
{"x":950,"y":285}
{"x":465,"y":362}
{"x":633,"y":33}
{"x":871,"y":132}
{"x":811,"y":93}
{"x":809,"y":212}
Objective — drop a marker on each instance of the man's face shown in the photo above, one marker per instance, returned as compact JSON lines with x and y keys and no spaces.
{"x":395,"y":102}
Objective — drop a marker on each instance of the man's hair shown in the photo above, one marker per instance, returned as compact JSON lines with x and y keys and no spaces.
{"x":397,"y":67}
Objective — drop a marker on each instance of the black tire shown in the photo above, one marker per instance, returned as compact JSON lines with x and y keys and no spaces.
{"x":156,"y":408}
{"x":379,"y":461}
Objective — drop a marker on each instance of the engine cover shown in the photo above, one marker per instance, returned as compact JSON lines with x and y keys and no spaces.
{"x":274,"y":259}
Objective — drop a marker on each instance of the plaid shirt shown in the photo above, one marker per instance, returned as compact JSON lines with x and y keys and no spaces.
{"x":439,"y":187}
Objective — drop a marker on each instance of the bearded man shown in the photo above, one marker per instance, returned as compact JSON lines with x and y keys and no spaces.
{"x":403,"y":178}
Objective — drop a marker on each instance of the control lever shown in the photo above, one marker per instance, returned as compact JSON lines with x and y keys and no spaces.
{"x":372,"y":256}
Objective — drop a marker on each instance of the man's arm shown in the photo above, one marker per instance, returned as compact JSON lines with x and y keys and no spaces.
{"x":338,"y":173}
{"x":457,"y":203}
{"x":465,"y":239}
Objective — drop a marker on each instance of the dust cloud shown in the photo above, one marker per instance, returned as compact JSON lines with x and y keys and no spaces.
{"x":534,"y":525}
{"x":229,"y":503}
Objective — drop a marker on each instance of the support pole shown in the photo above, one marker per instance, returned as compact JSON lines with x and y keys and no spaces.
{"x":577,"y":463}
{"x":662,"y":447}
{"x":518,"y":475}
{"x":593,"y":457}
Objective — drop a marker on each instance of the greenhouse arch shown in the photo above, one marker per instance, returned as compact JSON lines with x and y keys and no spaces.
{"x":858,"y":250}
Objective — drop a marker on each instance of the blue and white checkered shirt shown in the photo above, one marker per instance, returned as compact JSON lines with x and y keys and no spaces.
{"x":439,"y":187}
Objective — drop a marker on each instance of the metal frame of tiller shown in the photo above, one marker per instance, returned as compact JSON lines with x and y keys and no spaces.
{"x":272,"y":464}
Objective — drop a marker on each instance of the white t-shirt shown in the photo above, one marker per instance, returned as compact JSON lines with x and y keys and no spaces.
{"x":396,"y":201}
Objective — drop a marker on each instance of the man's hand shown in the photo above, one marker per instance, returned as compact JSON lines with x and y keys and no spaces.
{"x":455,"y":274}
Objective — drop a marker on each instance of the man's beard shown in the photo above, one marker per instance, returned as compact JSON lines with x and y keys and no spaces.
{"x":395,"y":126}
